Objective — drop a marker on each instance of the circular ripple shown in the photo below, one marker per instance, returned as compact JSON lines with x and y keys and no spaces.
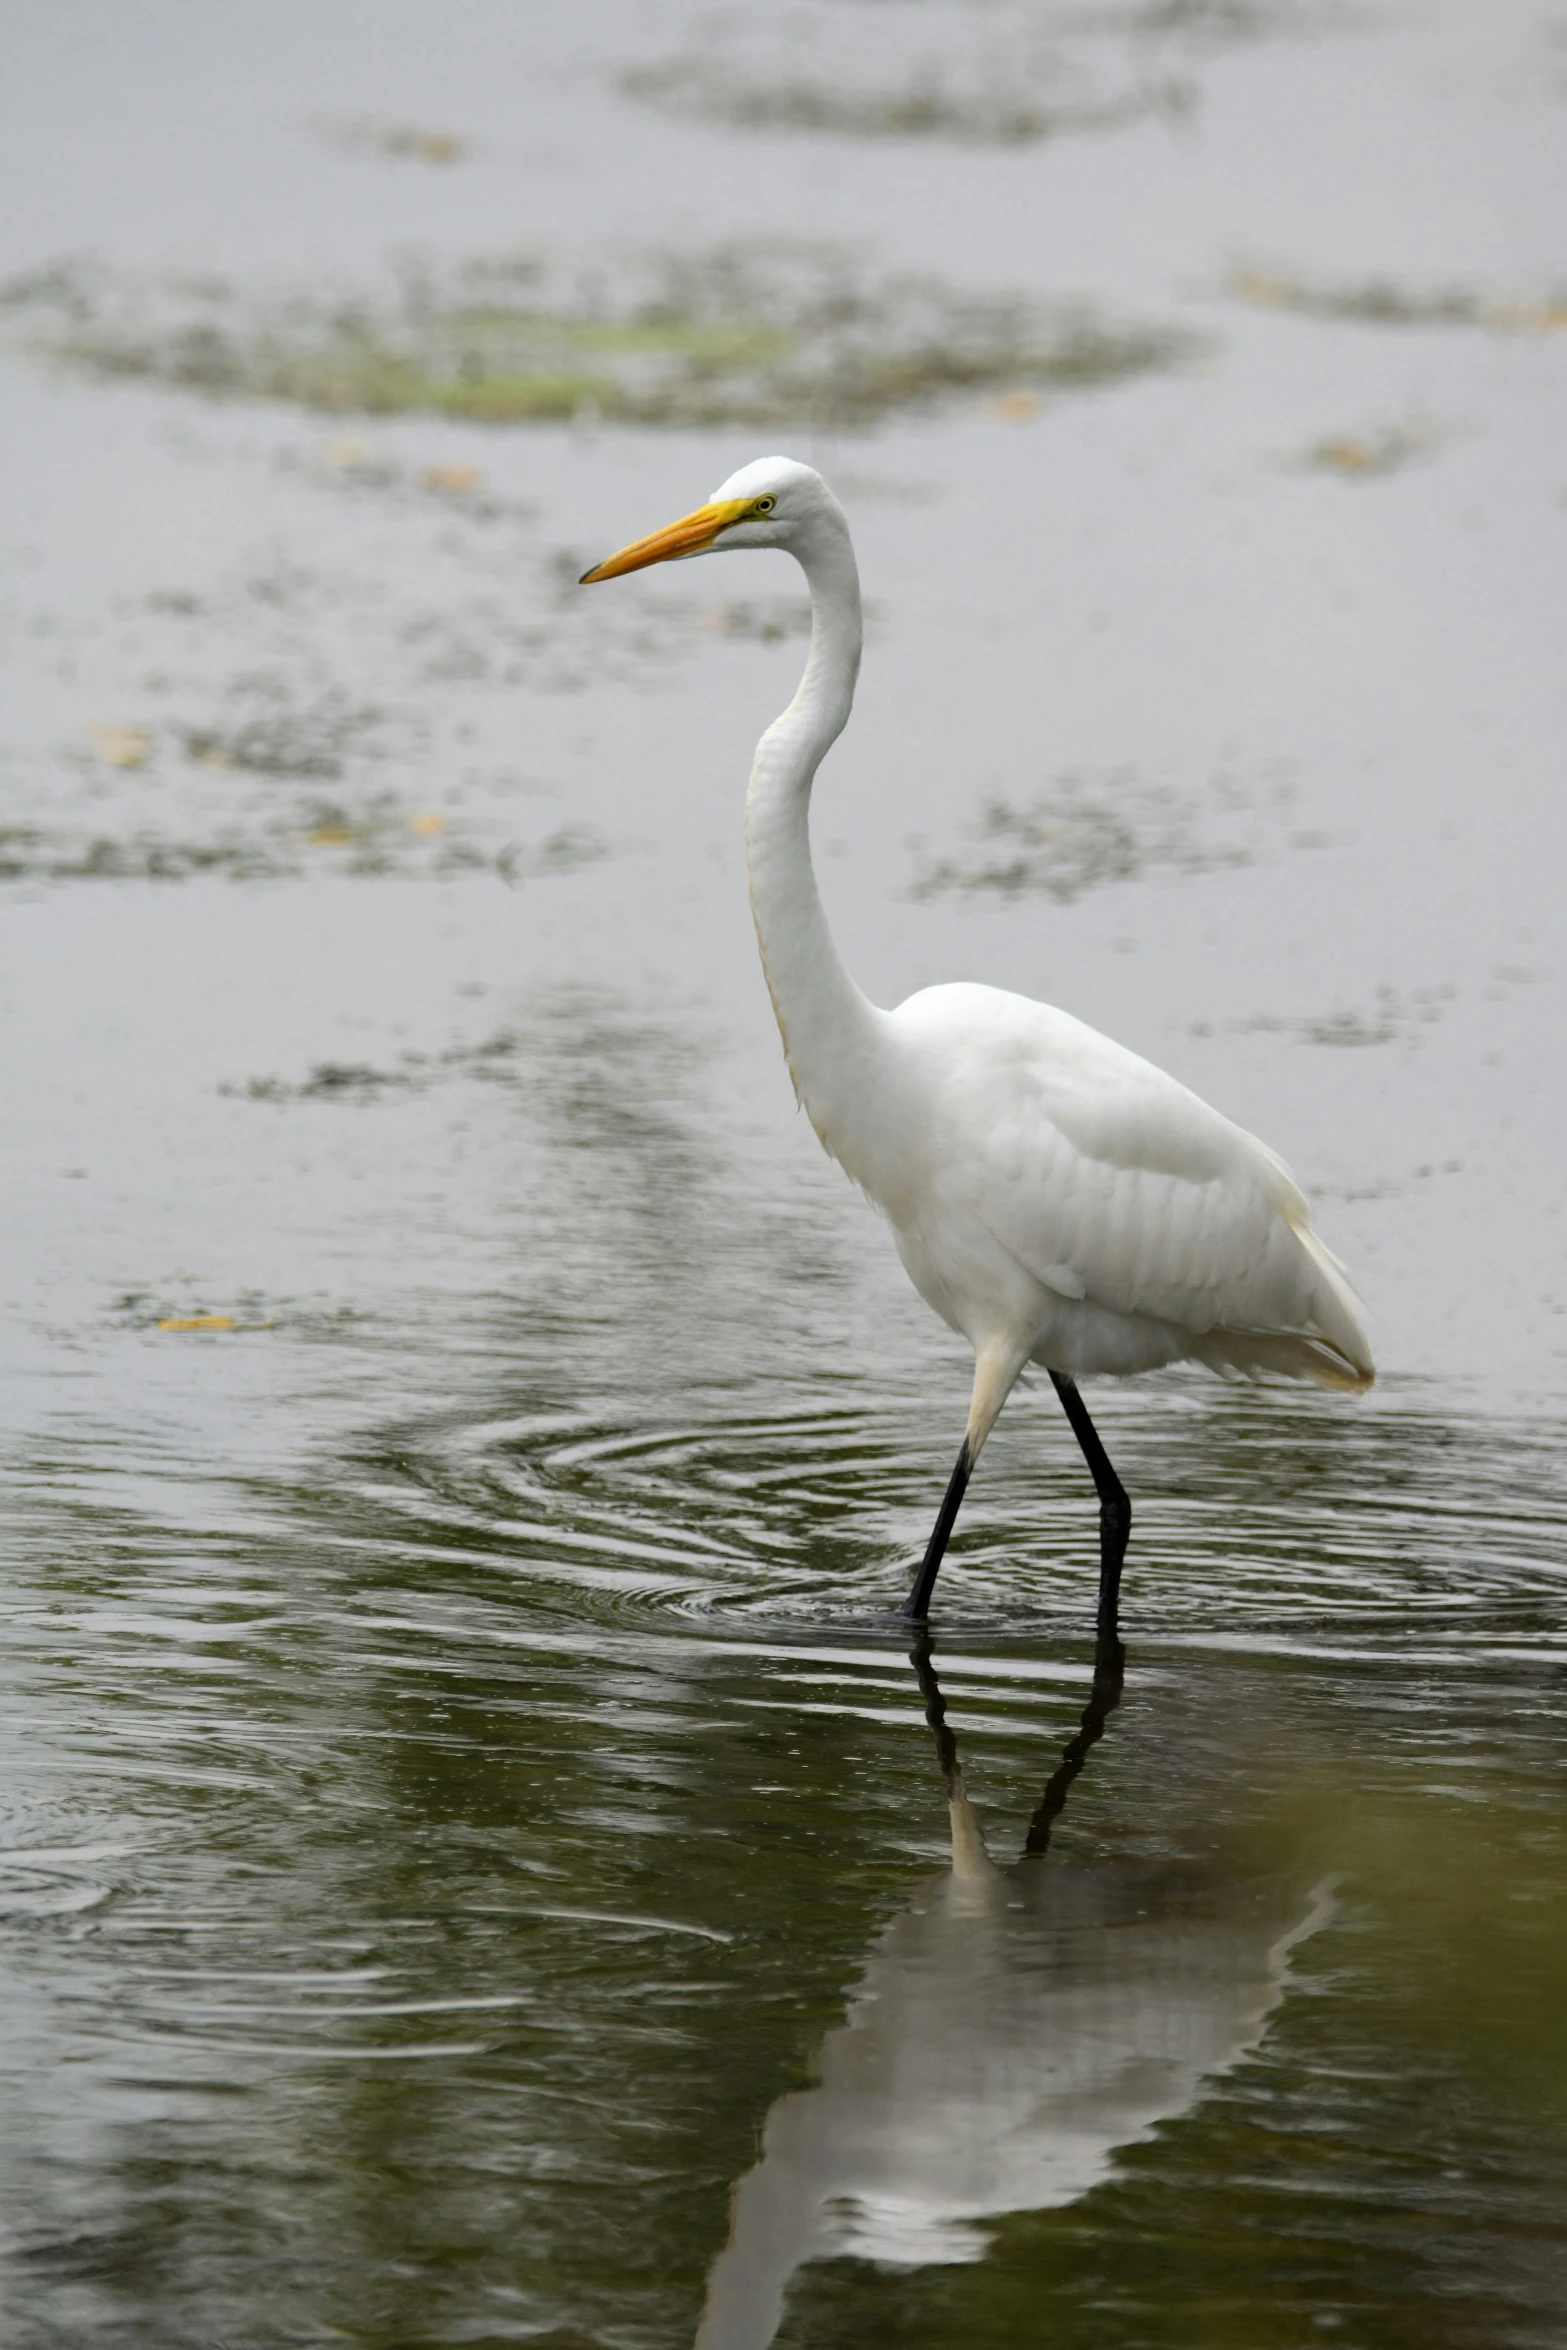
{"x":1265,"y":1518}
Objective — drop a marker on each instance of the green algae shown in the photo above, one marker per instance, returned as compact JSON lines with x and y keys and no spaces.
{"x":770,"y":334}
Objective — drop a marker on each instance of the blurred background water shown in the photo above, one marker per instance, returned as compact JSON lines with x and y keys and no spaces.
{"x":469,"y":1805}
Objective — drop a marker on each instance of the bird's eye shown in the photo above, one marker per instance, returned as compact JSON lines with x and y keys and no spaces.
{"x":764,"y":505}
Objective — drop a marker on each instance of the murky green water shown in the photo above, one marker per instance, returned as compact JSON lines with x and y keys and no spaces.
{"x":479,"y":1862}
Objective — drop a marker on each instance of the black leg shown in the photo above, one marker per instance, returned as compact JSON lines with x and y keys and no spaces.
{"x":917,"y":1606}
{"x":936,"y":1711}
{"x":1115,"y":1511}
{"x":1109,"y":1674}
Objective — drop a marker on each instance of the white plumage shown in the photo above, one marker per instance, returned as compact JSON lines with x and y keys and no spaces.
{"x":1053,"y":1197}
{"x":1144,"y":1226}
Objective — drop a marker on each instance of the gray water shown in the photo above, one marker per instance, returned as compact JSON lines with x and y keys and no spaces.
{"x":476,"y":1842}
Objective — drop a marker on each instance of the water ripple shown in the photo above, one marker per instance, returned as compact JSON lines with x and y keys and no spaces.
{"x":1259,"y":1518}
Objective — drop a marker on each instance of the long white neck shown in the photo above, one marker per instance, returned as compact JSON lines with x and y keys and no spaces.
{"x":829,"y":1030}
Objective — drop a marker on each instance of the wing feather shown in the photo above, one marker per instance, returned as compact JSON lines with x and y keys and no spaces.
{"x":1077,"y":1155}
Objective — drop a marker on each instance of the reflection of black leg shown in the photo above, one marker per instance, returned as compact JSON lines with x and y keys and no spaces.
{"x":1109,"y":1675}
{"x":1115,"y":1511}
{"x":936,"y":1711}
{"x":917,"y":1606}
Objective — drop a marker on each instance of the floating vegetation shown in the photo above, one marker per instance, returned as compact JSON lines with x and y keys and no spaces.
{"x":331,"y":1081}
{"x":1008,"y":75}
{"x":347,"y":462}
{"x":1087,"y":830}
{"x":1367,"y":456}
{"x":566,"y":850}
{"x":923,"y":107}
{"x":1381,"y":301}
{"x":399,"y":142}
{"x":358,"y":1082}
{"x":1393,"y":1018}
{"x":241,"y":1316}
{"x":378,"y":840}
{"x":27,"y":853}
{"x":756,"y":335}
{"x":762,"y":620}
{"x":278,"y":736}
{"x":383,"y":839}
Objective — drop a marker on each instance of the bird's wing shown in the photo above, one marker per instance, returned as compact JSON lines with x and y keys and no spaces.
{"x":1093,"y":1167}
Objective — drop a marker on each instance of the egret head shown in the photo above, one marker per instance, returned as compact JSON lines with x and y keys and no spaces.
{"x":772,"y":502}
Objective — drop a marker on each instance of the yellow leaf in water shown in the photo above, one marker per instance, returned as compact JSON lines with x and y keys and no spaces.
{"x":120,"y":746}
{"x":1527,"y":318}
{"x":330,"y":836}
{"x":452,"y":477}
{"x":198,"y":1322}
{"x":431,"y":823}
{"x":1017,"y":407}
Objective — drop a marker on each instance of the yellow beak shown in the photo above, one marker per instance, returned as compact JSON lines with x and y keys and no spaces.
{"x":688,"y":536}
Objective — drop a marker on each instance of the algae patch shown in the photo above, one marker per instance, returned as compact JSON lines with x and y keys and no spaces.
{"x":1089,"y":829}
{"x":355,"y":1083}
{"x":766,"y":334}
{"x":921,"y":108}
{"x":1009,"y":74}
{"x":1393,"y":1018}
{"x":1383,"y":301}
{"x":278,"y":736}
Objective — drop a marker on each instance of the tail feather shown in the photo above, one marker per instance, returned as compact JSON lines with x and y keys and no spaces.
{"x":1292,"y":1354}
{"x":1336,"y":1313}
{"x":1331,"y":1346}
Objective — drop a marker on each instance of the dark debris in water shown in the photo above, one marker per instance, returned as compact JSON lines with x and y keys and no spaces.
{"x":1394,"y":1017}
{"x":923,"y":107}
{"x":1090,"y":829}
{"x":333,"y":1081}
{"x":375,"y":840}
{"x":395,"y":142}
{"x":28,"y":853}
{"x":770,"y":333}
{"x":276,"y":735}
{"x":354,"y":465}
{"x":178,"y":1310}
{"x":495,"y":1058}
{"x":1369,"y":456}
{"x":1006,"y":75}
{"x":1383,"y":301}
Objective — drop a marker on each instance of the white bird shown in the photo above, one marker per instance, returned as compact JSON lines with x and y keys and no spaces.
{"x":1055,"y":1198}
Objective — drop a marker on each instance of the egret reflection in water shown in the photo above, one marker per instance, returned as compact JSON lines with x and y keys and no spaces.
{"x":1013,"y":2028}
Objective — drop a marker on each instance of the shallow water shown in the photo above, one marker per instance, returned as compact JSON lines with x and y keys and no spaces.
{"x":470,"y":1803}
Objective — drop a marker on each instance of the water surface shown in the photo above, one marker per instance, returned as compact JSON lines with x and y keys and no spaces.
{"x":480,"y":1862}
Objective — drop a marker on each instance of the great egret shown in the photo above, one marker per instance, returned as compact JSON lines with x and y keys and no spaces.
{"x":1054,"y":1197}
